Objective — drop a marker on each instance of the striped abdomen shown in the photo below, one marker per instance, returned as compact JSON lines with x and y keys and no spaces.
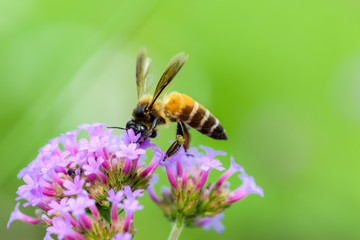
{"x":183,"y":107}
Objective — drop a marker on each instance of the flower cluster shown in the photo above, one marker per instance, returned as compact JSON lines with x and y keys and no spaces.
{"x":89,"y":188}
{"x":81,"y":187}
{"x":190,"y":201}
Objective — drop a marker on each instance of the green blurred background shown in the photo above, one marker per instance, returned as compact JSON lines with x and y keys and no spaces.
{"x":282,"y":76}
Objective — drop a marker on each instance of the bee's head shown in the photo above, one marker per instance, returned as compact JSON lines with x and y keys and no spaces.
{"x":137,"y":127}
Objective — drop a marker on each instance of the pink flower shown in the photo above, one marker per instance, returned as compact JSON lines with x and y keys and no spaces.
{"x":130,"y":151}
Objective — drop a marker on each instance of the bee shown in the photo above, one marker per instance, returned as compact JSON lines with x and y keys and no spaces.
{"x":151,"y":112}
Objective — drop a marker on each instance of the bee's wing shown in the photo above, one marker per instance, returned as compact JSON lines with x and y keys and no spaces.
{"x":143,"y":73}
{"x":171,"y":70}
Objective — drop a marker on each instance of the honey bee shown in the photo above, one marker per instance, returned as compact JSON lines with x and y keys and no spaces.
{"x":151,"y":112}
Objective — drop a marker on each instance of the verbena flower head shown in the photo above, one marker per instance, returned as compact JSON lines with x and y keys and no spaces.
{"x":190,"y":198}
{"x":89,"y":188}
{"x":81,"y":187}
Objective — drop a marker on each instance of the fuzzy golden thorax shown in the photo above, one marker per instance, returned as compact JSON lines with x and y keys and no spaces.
{"x":140,"y":115}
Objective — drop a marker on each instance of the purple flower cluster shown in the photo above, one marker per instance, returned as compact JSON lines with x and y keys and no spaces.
{"x":81,"y":187}
{"x":89,"y":188}
{"x":189,"y":199}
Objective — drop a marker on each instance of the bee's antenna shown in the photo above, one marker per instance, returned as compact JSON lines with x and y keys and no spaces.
{"x":117,"y":128}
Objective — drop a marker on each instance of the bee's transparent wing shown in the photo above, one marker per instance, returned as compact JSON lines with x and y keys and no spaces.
{"x":170,"y":72}
{"x":144,"y":74}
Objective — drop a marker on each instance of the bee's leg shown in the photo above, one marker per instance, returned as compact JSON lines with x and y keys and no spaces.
{"x":152,"y":131}
{"x":187,"y":139}
{"x":182,"y":138}
{"x":186,"y":135}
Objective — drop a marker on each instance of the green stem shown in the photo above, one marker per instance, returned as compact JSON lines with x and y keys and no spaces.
{"x":178,"y":227}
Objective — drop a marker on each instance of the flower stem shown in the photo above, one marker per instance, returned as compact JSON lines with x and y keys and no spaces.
{"x":178,"y":227}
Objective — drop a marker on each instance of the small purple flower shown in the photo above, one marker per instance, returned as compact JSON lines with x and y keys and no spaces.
{"x":54,"y":161}
{"x":17,"y":215}
{"x":115,"y":198}
{"x":188,"y":158}
{"x":130,"y":151}
{"x":132,"y":195}
{"x":249,"y":186}
{"x":93,"y":168}
{"x":130,"y":205}
{"x":24,"y":189}
{"x":58,"y":207}
{"x":62,"y":227}
{"x":78,"y":205}
{"x":75,"y":187}
{"x":234,"y":167}
{"x":93,"y":165}
{"x":69,"y":141}
{"x":31,"y":168}
{"x":125,"y":236}
{"x":129,"y":137}
{"x":94,"y":145}
{"x":96,"y":129}
{"x":212,"y":222}
{"x":146,"y":143}
{"x":211,"y":153}
{"x":34,"y":196}
{"x":79,"y":159}
{"x":208,"y":163}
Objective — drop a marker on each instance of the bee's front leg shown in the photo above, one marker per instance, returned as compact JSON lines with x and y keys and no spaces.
{"x":182,"y":138}
{"x":152,"y":131}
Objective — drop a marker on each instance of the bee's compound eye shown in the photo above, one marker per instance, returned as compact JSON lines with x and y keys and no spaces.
{"x":130,"y":124}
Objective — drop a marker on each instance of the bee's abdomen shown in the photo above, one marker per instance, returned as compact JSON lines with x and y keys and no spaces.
{"x":183,"y":107}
